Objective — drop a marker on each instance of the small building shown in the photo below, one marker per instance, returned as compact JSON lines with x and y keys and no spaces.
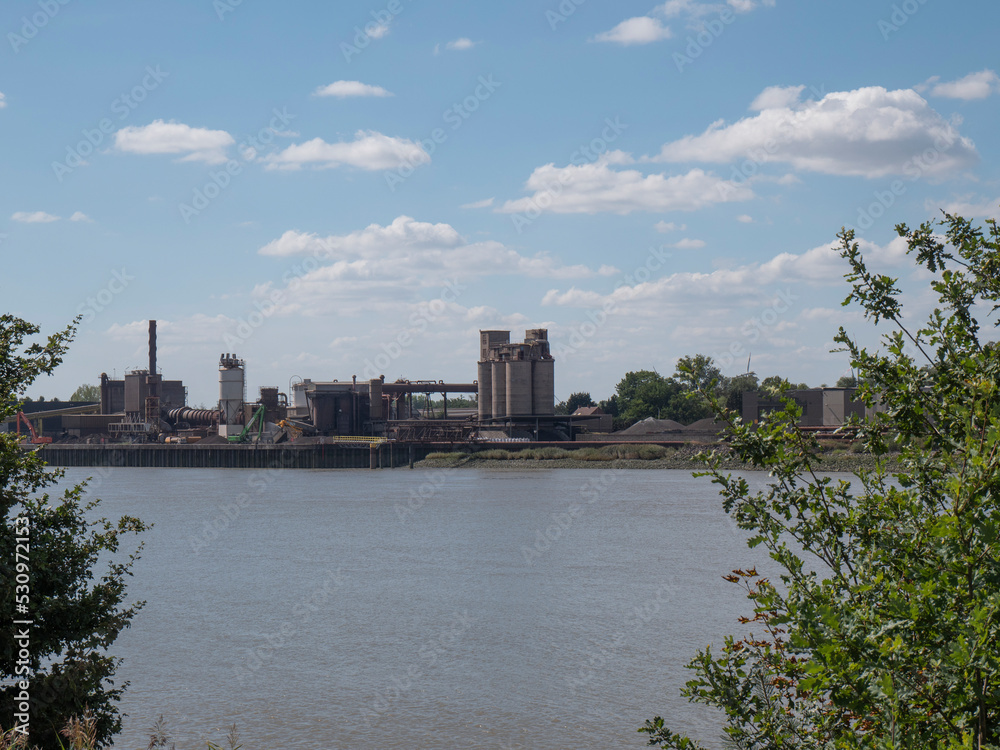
{"x":821,"y":407}
{"x":593,"y":419}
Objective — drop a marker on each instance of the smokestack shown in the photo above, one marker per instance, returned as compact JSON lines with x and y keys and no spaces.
{"x":152,"y":347}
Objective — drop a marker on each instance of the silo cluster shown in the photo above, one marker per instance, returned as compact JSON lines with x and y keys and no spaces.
{"x":515,"y":380}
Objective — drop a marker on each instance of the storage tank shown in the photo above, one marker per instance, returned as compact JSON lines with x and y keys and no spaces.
{"x":518,"y":387}
{"x":485,"y":392}
{"x":499,"y":378}
{"x":231,"y":394}
{"x":543,"y":386}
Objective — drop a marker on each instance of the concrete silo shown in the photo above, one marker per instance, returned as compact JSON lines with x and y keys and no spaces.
{"x":515,"y":379}
{"x":232,"y":394}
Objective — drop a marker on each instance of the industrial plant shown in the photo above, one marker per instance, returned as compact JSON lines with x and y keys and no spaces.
{"x":142,"y":417}
{"x":514,"y":394}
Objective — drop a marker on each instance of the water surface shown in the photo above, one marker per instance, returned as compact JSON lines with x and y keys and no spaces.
{"x":422,"y":609}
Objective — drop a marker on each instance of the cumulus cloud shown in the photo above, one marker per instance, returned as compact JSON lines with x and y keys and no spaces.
{"x":649,"y":28}
{"x":343,"y":89}
{"x":457,"y":45}
{"x":33,"y":217}
{"x":81,"y":216}
{"x":967,"y":206}
{"x":745,"y":219}
{"x":668,"y":226}
{"x":698,"y":9}
{"x":639,"y":30}
{"x":369,"y":150}
{"x":731,"y":288}
{"x":689,"y":244}
{"x":594,"y":188}
{"x":159,"y":137}
{"x":869,"y":132}
{"x":387,"y":266}
{"x":973,"y":86}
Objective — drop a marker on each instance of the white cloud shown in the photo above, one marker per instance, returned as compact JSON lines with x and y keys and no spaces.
{"x":974,"y":86}
{"x":689,"y":244}
{"x":668,"y":226}
{"x":726,"y":289}
{"x":869,"y":132}
{"x":400,"y":258}
{"x":3,"y":100}
{"x":639,"y":30}
{"x":967,"y":206}
{"x":593,"y":188}
{"x":369,"y":150}
{"x":159,"y":137}
{"x":81,"y":216}
{"x":777,"y":97}
{"x":745,"y":219}
{"x":479,"y":204}
{"x":342,"y":89}
{"x":377,"y":32}
{"x":647,"y":29}
{"x":33,"y":217}
{"x":461,"y":44}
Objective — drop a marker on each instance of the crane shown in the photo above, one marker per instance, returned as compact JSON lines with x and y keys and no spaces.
{"x":243,"y":437}
{"x":34,"y":439}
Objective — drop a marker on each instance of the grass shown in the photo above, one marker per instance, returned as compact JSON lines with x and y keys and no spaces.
{"x":81,"y":734}
{"x":551,"y":453}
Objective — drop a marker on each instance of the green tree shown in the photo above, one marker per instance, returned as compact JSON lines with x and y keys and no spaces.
{"x":577,"y":400}
{"x":698,"y":372}
{"x":645,"y":393}
{"x":775,"y":385}
{"x":883,"y":631}
{"x":734,"y":388}
{"x":847,"y":381}
{"x":77,"y":610}
{"x":86,"y":393}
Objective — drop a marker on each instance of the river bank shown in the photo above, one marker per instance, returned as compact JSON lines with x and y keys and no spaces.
{"x":628,"y":457}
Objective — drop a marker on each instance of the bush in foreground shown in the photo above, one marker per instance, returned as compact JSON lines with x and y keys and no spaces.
{"x":894,"y":644}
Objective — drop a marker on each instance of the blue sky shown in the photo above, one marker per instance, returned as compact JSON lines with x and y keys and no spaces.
{"x":357,"y":188}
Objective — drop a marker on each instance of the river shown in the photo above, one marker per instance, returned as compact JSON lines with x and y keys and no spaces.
{"x":424,"y":609}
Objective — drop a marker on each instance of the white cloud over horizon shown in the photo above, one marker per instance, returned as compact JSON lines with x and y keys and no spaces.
{"x":394,"y":261}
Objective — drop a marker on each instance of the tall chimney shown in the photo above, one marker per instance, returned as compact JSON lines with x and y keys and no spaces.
{"x":152,"y":347}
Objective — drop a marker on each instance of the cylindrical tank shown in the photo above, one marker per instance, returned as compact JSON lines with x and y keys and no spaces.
{"x":485,"y":393}
{"x":518,"y":387}
{"x":543,"y":386}
{"x":299,"y":400}
{"x":499,"y":378}
{"x":231,"y":394}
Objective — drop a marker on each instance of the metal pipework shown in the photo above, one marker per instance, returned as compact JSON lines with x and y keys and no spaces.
{"x":194,"y":416}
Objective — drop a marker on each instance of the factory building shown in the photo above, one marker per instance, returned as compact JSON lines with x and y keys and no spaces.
{"x":515,"y":380}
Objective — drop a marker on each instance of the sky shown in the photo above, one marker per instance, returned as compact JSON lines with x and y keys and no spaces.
{"x":331,"y":189}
